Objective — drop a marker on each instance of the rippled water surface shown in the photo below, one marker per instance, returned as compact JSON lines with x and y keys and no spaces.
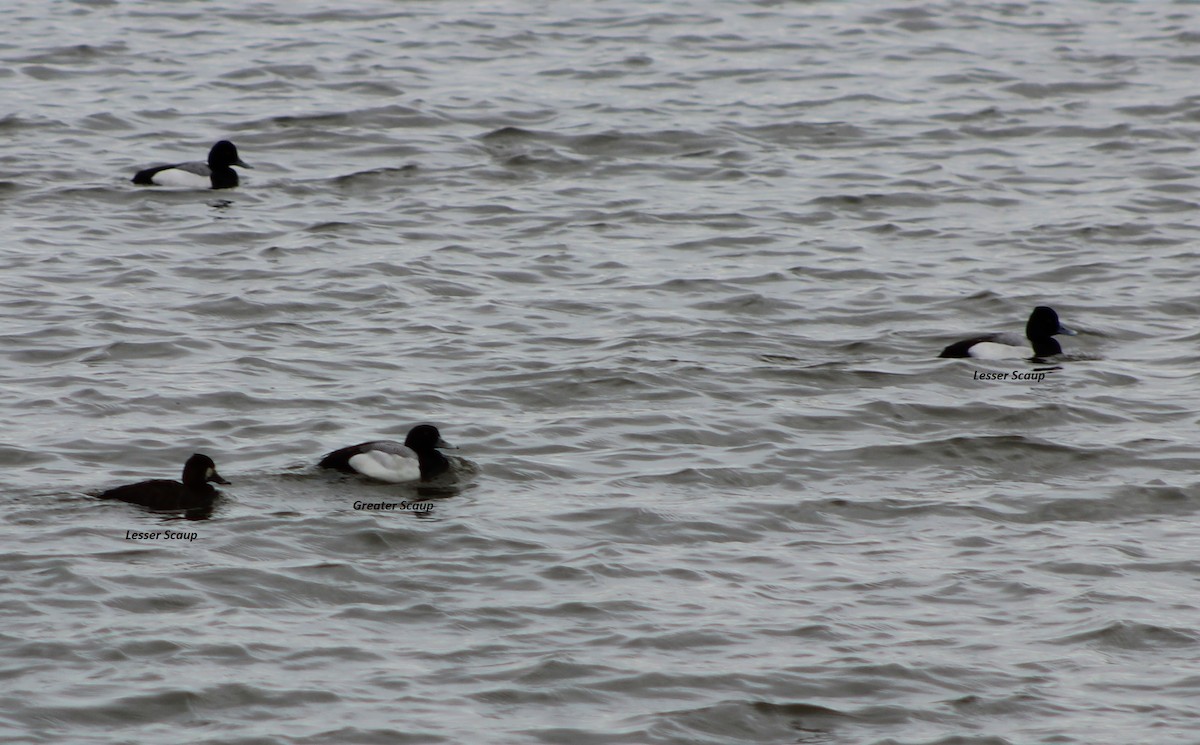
{"x":674,"y":278}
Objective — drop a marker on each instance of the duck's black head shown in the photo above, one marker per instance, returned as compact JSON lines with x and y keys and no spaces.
{"x":1044,"y":323}
{"x":1042,"y":327}
{"x":199,"y":470}
{"x":223,"y":155}
{"x":425,"y":437}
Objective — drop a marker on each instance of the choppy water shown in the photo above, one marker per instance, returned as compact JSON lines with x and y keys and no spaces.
{"x":674,"y":277}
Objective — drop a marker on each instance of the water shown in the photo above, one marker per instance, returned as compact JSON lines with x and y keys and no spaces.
{"x":674,"y":277}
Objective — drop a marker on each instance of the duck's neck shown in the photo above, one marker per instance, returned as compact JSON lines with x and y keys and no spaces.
{"x":1045,"y":346}
{"x":433,"y":463}
{"x":223,"y":177}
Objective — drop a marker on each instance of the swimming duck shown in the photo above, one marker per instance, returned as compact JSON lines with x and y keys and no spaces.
{"x":165,"y":494}
{"x":215,"y":174}
{"x":386,"y":460}
{"x":1039,"y":340}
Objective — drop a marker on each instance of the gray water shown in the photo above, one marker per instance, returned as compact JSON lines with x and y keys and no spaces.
{"x":674,"y":278}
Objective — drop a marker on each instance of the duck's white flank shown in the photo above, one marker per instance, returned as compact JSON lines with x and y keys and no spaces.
{"x":180,"y":177}
{"x":386,"y":466}
{"x":990,"y":350}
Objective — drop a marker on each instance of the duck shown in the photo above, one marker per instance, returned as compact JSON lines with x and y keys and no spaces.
{"x":217,"y":173}
{"x":1039,"y":340}
{"x":416,"y":459}
{"x":165,"y":494}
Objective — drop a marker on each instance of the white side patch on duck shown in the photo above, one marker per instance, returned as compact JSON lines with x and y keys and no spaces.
{"x":990,"y":350}
{"x":180,"y":177}
{"x":392,"y":467}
